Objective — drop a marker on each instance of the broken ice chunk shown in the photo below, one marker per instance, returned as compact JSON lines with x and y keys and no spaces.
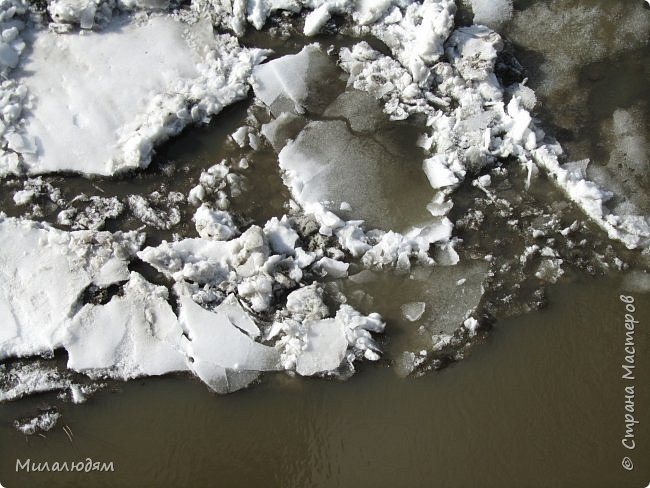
{"x":214,"y":224}
{"x":472,"y":325}
{"x":282,"y":237}
{"x":413,"y":311}
{"x":438,"y":173}
{"x":215,"y":339}
{"x":50,"y":269}
{"x":316,"y":19}
{"x":133,"y":335}
{"x":307,"y":303}
{"x":325,"y":347}
{"x":41,"y":423}
{"x":19,"y":379}
{"x":298,"y":82}
{"x":331,"y":267}
{"x":312,"y":344}
{"x":473,"y":51}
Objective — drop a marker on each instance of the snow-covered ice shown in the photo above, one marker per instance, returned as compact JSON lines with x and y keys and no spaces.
{"x":44,"y":273}
{"x":93,"y":110}
{"x":132,"y":335}
{"x":214,"y":224}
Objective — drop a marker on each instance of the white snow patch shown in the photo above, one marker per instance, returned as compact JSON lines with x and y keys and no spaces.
{"x":97,"y":111}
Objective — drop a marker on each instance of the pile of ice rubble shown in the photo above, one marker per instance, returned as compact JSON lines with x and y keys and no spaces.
{"x":252,"y":301}
{"x":123,"y":111}
{"x":137,"y":332}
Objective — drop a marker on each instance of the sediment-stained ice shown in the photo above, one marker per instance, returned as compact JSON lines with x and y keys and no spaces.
{"x":40,"y":423}
{"x":487,"y":126}
{"x":328,"y":162}
{"x":22,"y":379}
{"x":353,"y":160}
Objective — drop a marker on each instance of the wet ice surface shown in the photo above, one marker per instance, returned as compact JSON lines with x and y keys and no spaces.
{"x":256,"y":259}
{"x":341,"y":149}
{"x":337,"y":163}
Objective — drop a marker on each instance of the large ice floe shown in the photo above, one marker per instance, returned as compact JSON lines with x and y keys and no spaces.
{"x":372,"y":146}
{"x":86,"y":107}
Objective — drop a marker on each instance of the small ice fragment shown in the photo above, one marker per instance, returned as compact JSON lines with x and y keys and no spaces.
{"x":438,"y":174}
{"x":471,"y":324}
{"x":23,"y":197}
{"x":41,"y":423}
{"x":214,"y":224}
{"x":413,"y":311}
{"x":77,"y":394}
{"x":332,"y":267}
{"x":239,"y":136}
{"x":485,"y":181}
{"x":316,"y":19}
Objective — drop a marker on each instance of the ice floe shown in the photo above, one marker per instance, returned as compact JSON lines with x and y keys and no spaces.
{"x":109,"y":111}
{"x":45,"y":271}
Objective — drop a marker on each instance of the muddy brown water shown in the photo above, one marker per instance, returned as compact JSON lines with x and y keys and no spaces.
{"x":538,"y":402}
